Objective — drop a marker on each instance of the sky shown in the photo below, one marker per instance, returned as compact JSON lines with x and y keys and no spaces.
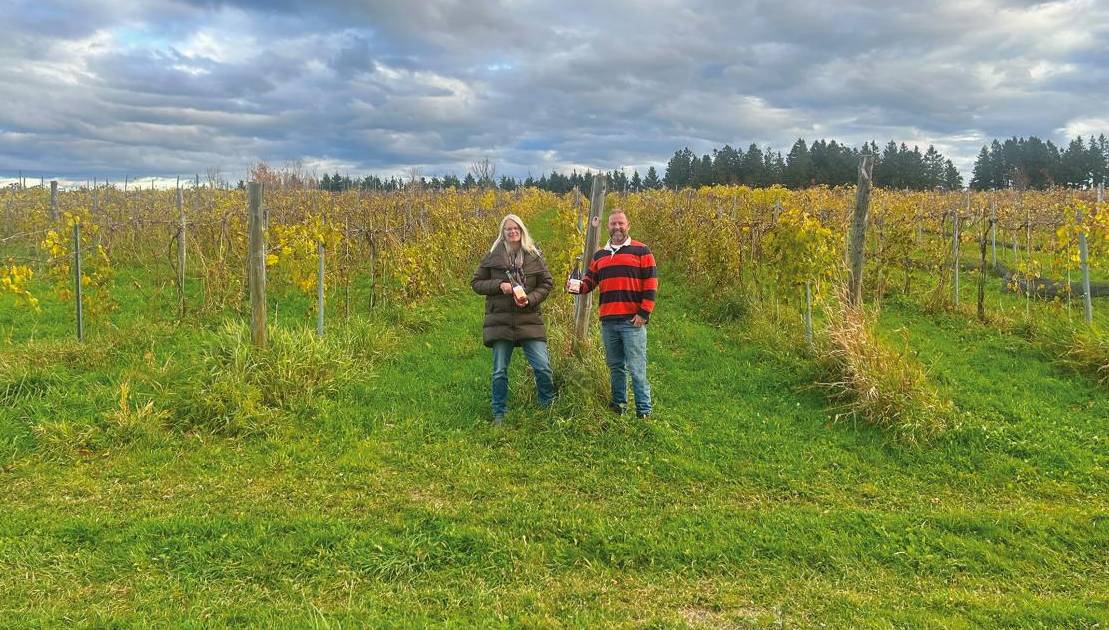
{"x":160,"y":88}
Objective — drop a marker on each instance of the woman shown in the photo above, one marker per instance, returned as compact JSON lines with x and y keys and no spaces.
{"x":512,"y":321}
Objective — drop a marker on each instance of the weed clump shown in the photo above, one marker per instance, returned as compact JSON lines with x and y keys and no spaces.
{"x":878,"y":383}
{"x":233,"y":388}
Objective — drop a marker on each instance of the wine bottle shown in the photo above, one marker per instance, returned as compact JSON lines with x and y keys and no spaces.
{"x":575,"y":277}
{"x":518,"y":292}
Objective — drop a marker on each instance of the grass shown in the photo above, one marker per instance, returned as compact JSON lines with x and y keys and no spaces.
{"x":876,"y":380}
{"x":375,"y":492}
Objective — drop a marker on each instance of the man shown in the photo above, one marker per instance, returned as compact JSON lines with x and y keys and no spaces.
{"x":624,"y":271}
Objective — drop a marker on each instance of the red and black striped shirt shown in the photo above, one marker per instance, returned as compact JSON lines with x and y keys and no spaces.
{"x":627,"y":279}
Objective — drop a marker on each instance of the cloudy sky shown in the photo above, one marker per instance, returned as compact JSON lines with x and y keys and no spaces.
{"x":160,"y":88}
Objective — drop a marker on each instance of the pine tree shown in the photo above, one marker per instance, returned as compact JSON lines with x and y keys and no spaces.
{"x":726,"y":165}
{"x":798,"y":168}
{"x":982,"y":177}
{"x":679,"y":170}
{"x":952,"y":180}
{"x":754,"y":167}
{"x":934,"y":168}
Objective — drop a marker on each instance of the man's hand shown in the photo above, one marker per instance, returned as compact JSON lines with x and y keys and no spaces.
{"x":638,"y":321}
{"x":506,"y":288}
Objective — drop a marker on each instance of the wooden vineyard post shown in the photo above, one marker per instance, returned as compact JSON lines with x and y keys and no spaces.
{"x":857,"y":240}
{"x":181,"y":252}
{"x":319,"y":290}
{"x":955,"y":255}
{"x":583,"y":304}
{"x":257,"y":265}
{"x":986,"y":233}
{"x":53,"y":200}
{"x":77,"y":281}
{"x":1084,"y":262}
{"x":1029,"y":286}
{"x":993,"y":234}
{"x":808,"y":314}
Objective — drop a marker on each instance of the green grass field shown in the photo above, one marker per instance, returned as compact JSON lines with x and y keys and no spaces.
{"x":356,"y":480}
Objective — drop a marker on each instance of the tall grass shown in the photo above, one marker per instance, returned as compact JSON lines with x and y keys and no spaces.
{"x":213,"y":382}
{"x":233,"y":388}
{"x":878,"y":383}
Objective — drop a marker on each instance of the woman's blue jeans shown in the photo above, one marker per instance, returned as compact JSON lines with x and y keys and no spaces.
{"x":626,"y":353}
{"x":536,"y":352}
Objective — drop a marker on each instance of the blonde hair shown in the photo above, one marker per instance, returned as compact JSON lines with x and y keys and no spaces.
{"x":525,"y":237}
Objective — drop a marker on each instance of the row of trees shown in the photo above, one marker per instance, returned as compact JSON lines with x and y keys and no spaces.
{"x":1035,"y":163}
{"x":555,"y":182}
{"x":1013,"y":163}
{"x":824,"y":162}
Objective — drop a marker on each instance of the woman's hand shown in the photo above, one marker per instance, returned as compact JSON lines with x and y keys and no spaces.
{"x":506,"y":288}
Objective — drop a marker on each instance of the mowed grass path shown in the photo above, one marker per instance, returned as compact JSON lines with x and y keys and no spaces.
{"x":740,"y":502}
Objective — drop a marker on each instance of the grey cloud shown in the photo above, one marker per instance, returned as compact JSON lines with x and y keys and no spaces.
{"x":179,"y":86}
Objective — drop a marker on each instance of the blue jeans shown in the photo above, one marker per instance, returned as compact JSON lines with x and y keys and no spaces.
{"x":536,"y":352}
{"x":626,"y":352}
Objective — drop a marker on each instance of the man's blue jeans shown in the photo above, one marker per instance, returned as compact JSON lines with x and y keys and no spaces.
{"x":626,"y":352}
{"x":536,"y":352}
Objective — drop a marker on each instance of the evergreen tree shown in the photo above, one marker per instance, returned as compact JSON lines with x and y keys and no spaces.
{"x":619,"y":180}
{"x":952,"y":180}
{"x":798,"y":168}
{"x":679,"y":169}
{"x":982,"y":177}
{"x":1074,"y":165}
{"x":1098,"y":154}
{"x":935,"y":170}
{"x":727,"y":166}
{"x":775,"y":167}
{"x":703,"y":172}
{"x":887,"y":171}
{"x":754,"y":167}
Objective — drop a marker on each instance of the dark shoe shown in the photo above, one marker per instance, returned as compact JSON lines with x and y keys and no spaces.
{"x":498,"y":420}
{"x":616,"y":409}
{"x":643,"y":415}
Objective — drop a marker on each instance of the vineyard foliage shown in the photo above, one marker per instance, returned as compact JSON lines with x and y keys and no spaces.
{"x":758,"y":247}
{"x":406,"y":244}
